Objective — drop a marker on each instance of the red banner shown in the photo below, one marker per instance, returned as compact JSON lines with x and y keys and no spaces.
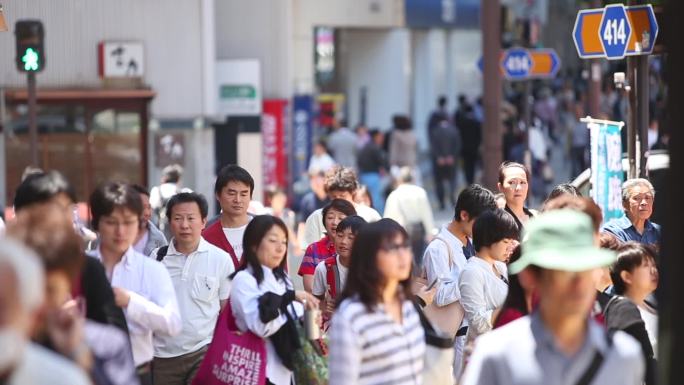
{"x":275,"y":164}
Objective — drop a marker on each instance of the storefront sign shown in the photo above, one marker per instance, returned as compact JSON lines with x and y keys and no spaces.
{"x":274,"y":165}
{"x":606,"y":167}
{"x":302,"y":130}
{"x":239,"y":87}
{"x":442,"y":13}
{"x":120,"y":59}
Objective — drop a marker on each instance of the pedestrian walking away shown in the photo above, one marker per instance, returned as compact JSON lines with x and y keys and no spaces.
{"x":558,"y":343}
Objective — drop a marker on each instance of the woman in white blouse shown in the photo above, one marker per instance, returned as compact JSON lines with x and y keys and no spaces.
{"x":262,"y":298}
{"x":376,"y":336}
{"x":484,"y":280}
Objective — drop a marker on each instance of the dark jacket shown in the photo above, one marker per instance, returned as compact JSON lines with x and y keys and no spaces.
{"x":97,"y":290}
{"x":445,"y":141}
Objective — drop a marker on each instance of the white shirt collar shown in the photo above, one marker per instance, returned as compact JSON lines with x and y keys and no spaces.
{"x":202,"y":247}
{"x":126,"y":260}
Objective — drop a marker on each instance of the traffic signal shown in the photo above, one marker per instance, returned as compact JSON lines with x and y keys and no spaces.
{"x":30,"y":48}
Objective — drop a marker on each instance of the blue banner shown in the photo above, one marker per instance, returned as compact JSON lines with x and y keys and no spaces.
{"x":442,"y":13}
{"x":302,"y":127}
{"x":606,"y":168}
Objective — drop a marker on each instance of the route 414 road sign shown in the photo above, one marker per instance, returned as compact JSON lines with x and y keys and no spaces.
{"x":522,"y":64}
{"x":615,"y":31}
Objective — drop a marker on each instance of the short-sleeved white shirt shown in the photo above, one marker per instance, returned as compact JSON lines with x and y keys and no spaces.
{"x":200,"y":280}
{"x":320,"y":283}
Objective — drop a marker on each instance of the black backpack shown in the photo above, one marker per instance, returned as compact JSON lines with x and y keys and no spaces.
{"x":161,"y":252}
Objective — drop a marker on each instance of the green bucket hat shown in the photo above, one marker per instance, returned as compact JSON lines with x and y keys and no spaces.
{"x":561,"y":240}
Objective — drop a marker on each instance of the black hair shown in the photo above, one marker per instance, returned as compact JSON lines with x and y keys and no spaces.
{"x":113,"y":195}
{"x":140,"y":189}
{"x":564,"y":188}
{"x":493,"y":226}
{"x":187,"y":197}
{"x":630,"y":255}
{"x":41,"y":187}
{"x":442,"y":101}
{"x":233,"y":173}
{"x":364,"y":278}
{"x":340,"y":205}
{"x":515,"y":299}
{"x":341,"y":179}
{"x":474,"y":200}
{"x":254,"y":233}
{"x":353,"y":223}
{"x":172,"y":173}
{"x":508,"y":164}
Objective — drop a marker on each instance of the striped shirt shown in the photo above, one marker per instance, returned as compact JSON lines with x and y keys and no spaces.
{"x":371,"y":348}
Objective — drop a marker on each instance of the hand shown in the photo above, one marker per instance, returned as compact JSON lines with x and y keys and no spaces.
{"x":329,"y":304}
{"x":121,"y":297}
{"x":427,"y":295}
{"x":65,"y":328}
{"x":307,"y":298}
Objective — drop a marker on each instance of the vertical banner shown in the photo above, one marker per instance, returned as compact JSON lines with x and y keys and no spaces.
{"x":273,"y":139}
{"x":606,"y":167}
{"x":302,"y":131}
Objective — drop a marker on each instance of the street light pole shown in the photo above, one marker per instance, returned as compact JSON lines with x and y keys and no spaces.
{"x":491,"y":48}
{"x":33,"y":129}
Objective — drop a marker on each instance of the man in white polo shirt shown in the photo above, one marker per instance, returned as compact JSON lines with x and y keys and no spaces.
{"x":199,"y":272}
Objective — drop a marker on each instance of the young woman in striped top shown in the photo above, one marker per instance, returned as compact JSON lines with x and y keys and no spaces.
{"x":376,"y":336}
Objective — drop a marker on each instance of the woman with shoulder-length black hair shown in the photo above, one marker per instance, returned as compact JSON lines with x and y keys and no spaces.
{"x":263,"y":299}
{"x":376,"y":335}
{"x":484,"y":280}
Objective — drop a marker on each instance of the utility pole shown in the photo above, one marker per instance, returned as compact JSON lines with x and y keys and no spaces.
{"x":595,"y":80}
{"x":491,"y":49}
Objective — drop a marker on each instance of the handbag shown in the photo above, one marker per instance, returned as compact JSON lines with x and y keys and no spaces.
{"x":439,"y":354}
{"x":446,"y":318}
{"x":310,"y":361}
{"x":233,"y":357}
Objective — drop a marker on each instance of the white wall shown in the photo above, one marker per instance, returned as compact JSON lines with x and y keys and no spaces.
{"x":380,"y":61}
{"x":465,"y":49}
{"x":430,"y":78}
{"x":262,"y":30}
{"x":169,"y":29}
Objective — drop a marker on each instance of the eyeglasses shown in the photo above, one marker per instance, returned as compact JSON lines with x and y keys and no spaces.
{"x":395,"y":247}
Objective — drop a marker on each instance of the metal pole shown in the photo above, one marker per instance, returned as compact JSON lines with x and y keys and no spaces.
{"x":33,"y":129}
{"x":595,"y":80}
{"x":594,"y":88}
{"x":527,"y":119}
{"x":491,"y":47}
{"x":631,"y":119}
{"x":642,"y":111}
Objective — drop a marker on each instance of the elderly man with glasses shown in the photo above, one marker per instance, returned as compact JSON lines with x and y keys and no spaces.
{"x":637,"y":200}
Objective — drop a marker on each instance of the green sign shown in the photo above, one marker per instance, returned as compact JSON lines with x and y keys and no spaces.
{"x":237,"y":91}
{"x":606,"y":167}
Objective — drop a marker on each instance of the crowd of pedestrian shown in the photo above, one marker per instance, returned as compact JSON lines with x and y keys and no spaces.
{"x":502,"y":294}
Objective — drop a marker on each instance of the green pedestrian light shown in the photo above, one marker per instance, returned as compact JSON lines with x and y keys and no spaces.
{"x":30,"y":60}
{"x":30,"y":46}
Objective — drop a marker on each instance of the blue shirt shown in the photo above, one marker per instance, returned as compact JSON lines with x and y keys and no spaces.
{"x":624,"y":230}
{"x":524,"y":352}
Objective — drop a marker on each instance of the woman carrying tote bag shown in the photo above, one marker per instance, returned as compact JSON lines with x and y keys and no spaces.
{"x":263,"y":301}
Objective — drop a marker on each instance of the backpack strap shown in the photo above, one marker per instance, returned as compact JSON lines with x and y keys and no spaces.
{"x":451,"y":256}
{"x":332,"y":275}
{"x":161,"y":253}
{"x":596,"y":362}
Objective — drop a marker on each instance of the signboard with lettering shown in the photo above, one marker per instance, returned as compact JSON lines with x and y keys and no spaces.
{"x":121,"y":59}
{"x":606,"y":166}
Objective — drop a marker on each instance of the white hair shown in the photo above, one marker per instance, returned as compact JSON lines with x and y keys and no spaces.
{"x":630,"y":184}
{"x":28,"y":271}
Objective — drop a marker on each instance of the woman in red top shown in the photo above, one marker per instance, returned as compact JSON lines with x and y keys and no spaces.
{"x":520,"y":299}
{"x":333,"y":213}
